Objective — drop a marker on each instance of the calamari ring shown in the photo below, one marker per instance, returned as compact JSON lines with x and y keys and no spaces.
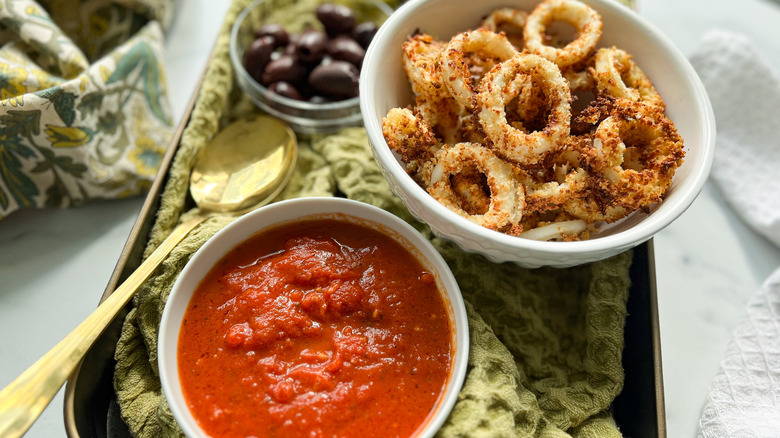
{"x":587,"y":120}
{"x":579,"y":80}
{"x":499,"y":87}
{"x":528,"y":110}
{"x":636,"y":151}
{"x":445,"y":116}
{"x":534,"y":102}
{"x":468,"y":186}
{"x":564,"y":230}
{"x":594,"y":209}
{"x":506,"y":194}
{"x":584,"y":18}
{"x":618,"y":76}
{"x":569,"y":188}
{"x":469,"y":129}
{"x":508,"y":20}
{"x":454,"y":67}
{"x":410,"y":137}
{"x":421,"y":54}
{"x":552,"y":195}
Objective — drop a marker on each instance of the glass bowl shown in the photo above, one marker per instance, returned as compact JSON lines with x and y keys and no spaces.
{"x":295,"y":16}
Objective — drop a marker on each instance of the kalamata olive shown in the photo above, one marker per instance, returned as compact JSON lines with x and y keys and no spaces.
{"x":285,"y":68}
{"x":338,"y":79}
{"x":276,"y":31}
{"x":344,"y":48}
{"x":285,"y":89}
{"x":292,"y":47}
{"x":364,"y":33}
{"x":337,"y":19}
{"x":258,"y":56}
{"x":311,"y":46}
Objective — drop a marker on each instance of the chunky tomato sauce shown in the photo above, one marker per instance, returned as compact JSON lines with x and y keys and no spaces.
{"x":319,"y":328}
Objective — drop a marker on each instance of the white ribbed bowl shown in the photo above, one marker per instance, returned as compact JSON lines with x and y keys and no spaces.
{"x":291,"y":211}
{"x":383,"y":85}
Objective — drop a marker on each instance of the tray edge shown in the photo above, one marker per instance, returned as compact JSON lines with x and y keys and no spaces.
{"x":131,"y":255}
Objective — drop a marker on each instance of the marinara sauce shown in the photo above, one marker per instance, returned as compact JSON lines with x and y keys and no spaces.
{"x":318,"y":328}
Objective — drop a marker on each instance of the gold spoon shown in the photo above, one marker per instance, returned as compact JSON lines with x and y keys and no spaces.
{"x":243,"y":168}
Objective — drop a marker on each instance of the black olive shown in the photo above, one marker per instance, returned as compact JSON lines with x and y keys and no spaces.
{"x":285,"y":68}
{"x":364,"y":33}
{"x":258,"y":56}
{"x":285,"y":89}
{"x":345,"y":48}
{"x":337,"y":79}
{"x":310,"y":46}
{"x":337,"y":19}
{"x":276,"y":31}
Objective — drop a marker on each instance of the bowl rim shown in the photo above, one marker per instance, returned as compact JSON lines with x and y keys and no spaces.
{"x":238,"y":66}
{"x":266,"y":218}
{"x":636,"y":234}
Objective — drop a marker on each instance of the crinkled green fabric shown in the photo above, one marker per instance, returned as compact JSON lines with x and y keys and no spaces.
{"x":545,"y":358}
{"x":546,"y":343}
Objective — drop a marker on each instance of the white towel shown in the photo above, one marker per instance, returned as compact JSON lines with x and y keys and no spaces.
{"x":744,"y":399}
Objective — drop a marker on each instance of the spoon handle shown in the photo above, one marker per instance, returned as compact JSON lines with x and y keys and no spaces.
{"x":23,"y":400}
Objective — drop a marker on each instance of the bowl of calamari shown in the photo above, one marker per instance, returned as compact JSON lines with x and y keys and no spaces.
{"x":549,"y":133}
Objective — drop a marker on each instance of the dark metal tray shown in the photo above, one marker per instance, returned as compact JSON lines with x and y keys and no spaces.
{"x":90,"y":409}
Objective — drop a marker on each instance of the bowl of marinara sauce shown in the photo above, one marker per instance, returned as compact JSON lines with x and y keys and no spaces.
{"x":314,"y":317}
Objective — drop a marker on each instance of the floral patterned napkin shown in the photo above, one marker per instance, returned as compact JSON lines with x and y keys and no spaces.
{"x":84,"y":112}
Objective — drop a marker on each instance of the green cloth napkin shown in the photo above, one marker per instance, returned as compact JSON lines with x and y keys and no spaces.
{"x":84,"y":112}
{"x":545,"y":358}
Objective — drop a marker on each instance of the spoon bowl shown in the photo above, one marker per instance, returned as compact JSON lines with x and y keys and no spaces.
{"x":235,"y":173}
{"x":241,"y":169}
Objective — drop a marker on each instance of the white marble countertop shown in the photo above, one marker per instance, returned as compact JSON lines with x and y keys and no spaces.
{"x":54,"y":264}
